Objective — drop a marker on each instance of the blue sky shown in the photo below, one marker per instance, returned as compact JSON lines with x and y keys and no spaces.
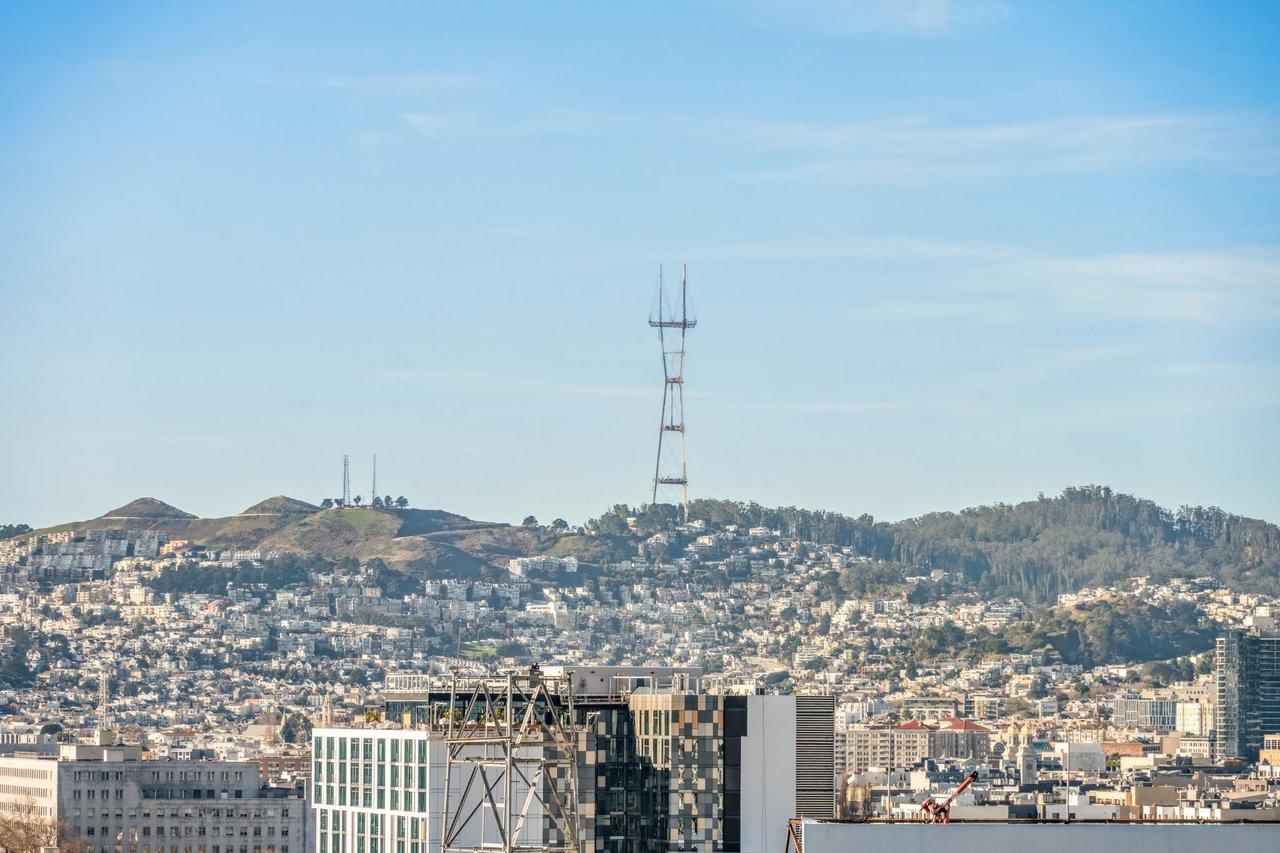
{"x":942,"y":253}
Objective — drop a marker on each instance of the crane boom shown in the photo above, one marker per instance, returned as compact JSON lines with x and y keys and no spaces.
{"x":940,"y":812}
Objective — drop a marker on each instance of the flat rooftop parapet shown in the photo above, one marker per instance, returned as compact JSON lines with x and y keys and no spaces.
{"x":1037,"y":836}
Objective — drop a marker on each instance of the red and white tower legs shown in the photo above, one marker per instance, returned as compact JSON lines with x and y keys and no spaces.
{"x":670,"y":473}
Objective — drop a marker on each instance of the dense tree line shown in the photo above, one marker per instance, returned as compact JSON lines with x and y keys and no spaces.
{"x":8,"y":531}
{"x":1117,"y":631}
{"x":14,"y":672}
{"x":1034,"y":550}
{"x":209,"y":580}
{"x":1090,"y":536}
{"x":1102,"y":632}
{"x":394,"y":583}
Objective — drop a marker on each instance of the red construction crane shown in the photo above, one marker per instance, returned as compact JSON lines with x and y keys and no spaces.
{"x":940,"y":812}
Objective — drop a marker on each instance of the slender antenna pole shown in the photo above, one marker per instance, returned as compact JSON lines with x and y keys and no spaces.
{"x":346,"y":480}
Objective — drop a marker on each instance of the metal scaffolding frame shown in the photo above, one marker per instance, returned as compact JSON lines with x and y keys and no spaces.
{"x":511,"y":758}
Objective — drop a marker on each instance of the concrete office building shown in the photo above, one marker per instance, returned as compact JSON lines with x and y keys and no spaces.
{"x":908,"y":744}
{"x":1135,"y":712}
{"x":112,"y":799}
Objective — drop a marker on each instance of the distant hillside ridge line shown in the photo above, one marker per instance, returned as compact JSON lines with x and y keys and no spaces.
{"x":282,"y":525}
{"x":1035,"y":550}
{"x":147,"y":508}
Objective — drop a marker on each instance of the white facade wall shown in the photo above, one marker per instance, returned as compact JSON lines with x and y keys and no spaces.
{"x":768,"y":772}
{"x":1041,"y":838}
{"x":29,"y":783}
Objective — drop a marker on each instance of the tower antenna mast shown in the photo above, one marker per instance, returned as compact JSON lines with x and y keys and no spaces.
{"x":671,"y":472}
{"x":346,"y":480}
{"x":104,"y":700}
{"x":373,"y":495}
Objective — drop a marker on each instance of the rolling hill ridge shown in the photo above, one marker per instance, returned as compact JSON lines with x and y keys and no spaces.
{"x":404,"y":538}
{"x":1035,"y":550}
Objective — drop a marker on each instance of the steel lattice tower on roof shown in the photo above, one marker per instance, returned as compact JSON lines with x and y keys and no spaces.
{"x":671,"y":471}
{"x":511,"y":768}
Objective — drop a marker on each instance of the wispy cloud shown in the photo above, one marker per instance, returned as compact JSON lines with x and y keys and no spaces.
{"x":855,"y":17}
{"x":151,"y":438}
{"x":827,"y":248}
{"x":1042,"y":367}
{"x":399,"y":85}
{"x":435,"y":451}
{"x":546,"y":231}
{"x":1155,"y":408}
{"x":1207,"y":287}
{"x":444,"y":126}
{"x":515,"y":384}
{"x":572,"y":124}
{"x":492,"y":382}
{"x":819,"y":406}
{"x":917,"y":151}
{"x":906,"y":150}
{"x":1001,"y":283}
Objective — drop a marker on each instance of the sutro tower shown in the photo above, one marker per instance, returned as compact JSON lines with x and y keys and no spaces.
{"x":669,"y":471}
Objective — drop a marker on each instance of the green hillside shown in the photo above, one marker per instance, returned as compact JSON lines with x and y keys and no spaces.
{"x":400,"y":538}
{"x":1086,"y":536}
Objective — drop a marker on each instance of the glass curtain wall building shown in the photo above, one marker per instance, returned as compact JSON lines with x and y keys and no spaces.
{"x":1247,"y":676}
